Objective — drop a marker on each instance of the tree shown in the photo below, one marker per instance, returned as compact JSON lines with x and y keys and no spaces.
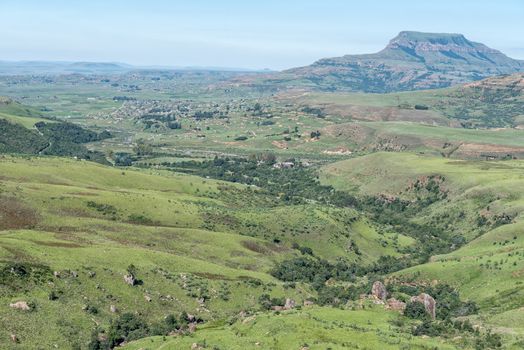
{"x":142,"y":148}
{"x":126,"y":328}
{"x":315,"y":134}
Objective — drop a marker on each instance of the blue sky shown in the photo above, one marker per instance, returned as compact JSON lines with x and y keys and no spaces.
{"x":249,"y":34}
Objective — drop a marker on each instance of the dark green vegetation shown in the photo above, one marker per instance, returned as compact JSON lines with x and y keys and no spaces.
{"x":296,"y":184}
{"x":23,"y":131}
{"x":16,"y":138}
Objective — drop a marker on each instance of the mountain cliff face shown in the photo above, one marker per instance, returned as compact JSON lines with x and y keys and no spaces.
{"x":411,"y":61}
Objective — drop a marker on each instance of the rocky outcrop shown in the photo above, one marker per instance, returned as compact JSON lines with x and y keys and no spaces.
{"x":192,"y":327}
{"x":428,"y":302}
{"x":397,"y":305}
{"x":290,"y":304}
{"x":378,"y":291}
{"x":130,"y":279}
{"x":65,"y":274}
{"x":411,"y":61}
{"x":308,"y":303}
{"x":21,"y":305}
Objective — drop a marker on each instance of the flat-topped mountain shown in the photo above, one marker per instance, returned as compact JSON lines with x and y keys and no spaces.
{"x":411,"y":61}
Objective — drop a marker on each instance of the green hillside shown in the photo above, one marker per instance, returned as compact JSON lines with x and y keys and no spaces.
{"x":312,"y":328}
{"x":23,"y":130}
{"x":231,"y":217}
{"x":187,"y":237}
{"x":484,"y":203}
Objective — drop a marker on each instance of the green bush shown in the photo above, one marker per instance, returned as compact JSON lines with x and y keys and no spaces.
{"x":416,"y":310}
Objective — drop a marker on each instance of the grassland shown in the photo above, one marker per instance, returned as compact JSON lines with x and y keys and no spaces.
{"x":314,"y":328}
{"x":208,"y":247}
{"x":188,"y":238}
{"x":488,"y":269}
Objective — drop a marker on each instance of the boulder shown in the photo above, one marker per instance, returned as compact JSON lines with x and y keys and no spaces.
{"x":148,"y":298}
{"x":397,"y":305}
{"x":290,"y":304}
{"x":130,"y":279}
{"x":378,"y":291}
{"x":21,"y":305}
{"x":428,"y":302}
{"x":308,"y":303}
{"x":14,"y":338}
{"x":113,"y":309}
{"x":192,"y":327}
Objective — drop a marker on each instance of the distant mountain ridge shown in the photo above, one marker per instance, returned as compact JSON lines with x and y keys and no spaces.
{"x":66,"y":67}
{"x":61,"y":67}
{"x":411,"y":61}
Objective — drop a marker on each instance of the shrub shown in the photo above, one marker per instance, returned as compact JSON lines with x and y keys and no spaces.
{"x":126,"y":328}
{"x":139,"y":219}
{"x":415,"y":310}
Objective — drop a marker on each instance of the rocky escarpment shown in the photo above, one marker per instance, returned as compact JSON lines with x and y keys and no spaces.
{"x":411,"y":60}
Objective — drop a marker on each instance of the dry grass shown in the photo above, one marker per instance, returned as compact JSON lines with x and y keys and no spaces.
{"x":14,"y":214}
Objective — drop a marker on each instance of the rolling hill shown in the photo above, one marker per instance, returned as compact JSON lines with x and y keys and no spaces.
{"x":69,"y":230}
{"x":262,"y":222}
{"x":488,"y":266}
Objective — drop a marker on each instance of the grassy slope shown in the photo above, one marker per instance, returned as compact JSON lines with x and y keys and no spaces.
{"x":27,"y":122}
{"x":503,"y":137}
{"x":491,"y":102}
{"x":319,"y":328}
{"x":472,"y":188}
{"x":15,"y":112}
{"x":189,"y":235}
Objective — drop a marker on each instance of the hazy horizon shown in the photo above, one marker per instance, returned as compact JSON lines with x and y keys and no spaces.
{"x":235,"y":34}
